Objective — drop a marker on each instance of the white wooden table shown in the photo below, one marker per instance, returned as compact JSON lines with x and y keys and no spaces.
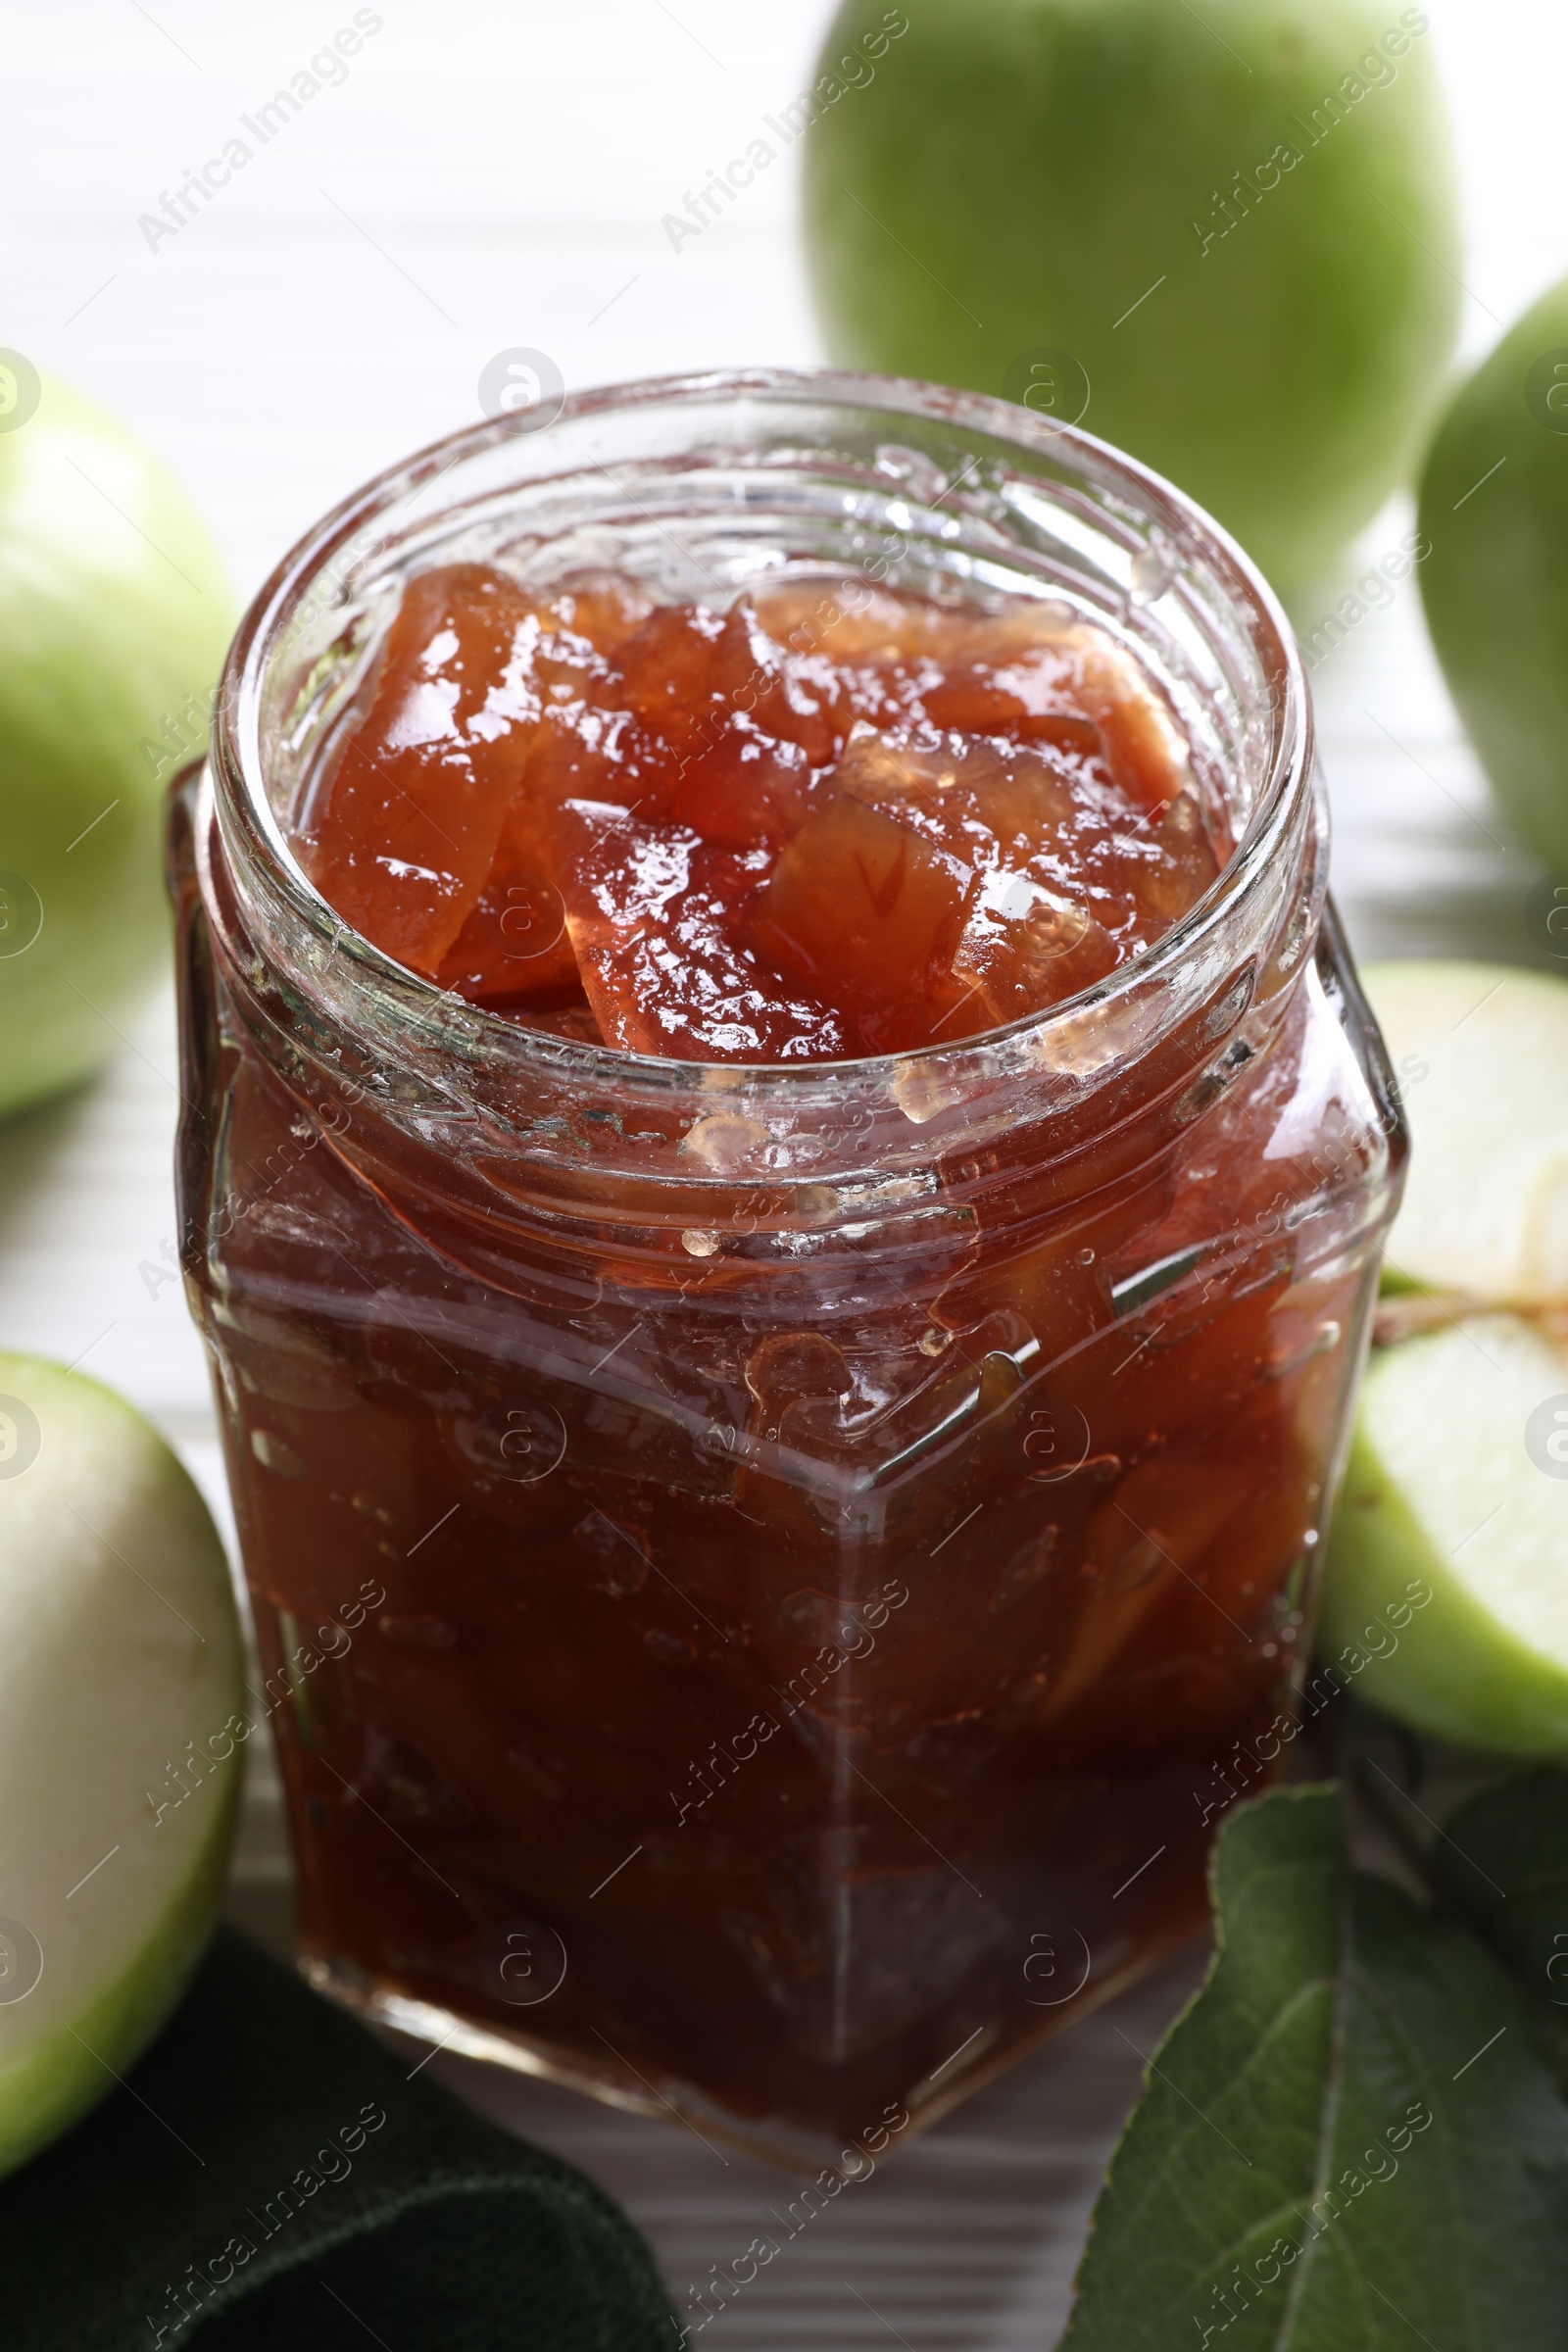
{"x":488,"y":176}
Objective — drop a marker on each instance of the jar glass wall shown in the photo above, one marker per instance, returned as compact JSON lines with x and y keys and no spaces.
{"x":767,"y":1577}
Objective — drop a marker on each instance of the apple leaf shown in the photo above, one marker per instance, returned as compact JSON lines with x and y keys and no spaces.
{"x":1348,"y":2143}
{"x":1501,"y":1864}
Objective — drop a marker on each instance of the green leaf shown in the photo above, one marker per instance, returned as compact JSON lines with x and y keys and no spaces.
{"x":1501,"y":1863}
{"x":1348,"y":2143}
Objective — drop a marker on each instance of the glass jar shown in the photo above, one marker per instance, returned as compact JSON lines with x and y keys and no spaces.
{"x":767,"y":1577}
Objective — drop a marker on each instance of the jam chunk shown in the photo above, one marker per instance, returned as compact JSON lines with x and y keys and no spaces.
{"x":514,"y":943}
{"x":1025,"y":672}
{"x":869,"y":914}
{"x":1028,"y":680}
{"x":746,"y":789}
{"x":1009,"y":812}
{"x":991,"y":804}
{"x":1009,"y":682}
{"x":405,"y":835}
{"x":654,"y":912}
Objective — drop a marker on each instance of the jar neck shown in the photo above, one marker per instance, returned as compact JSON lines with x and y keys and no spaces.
{"x":601,"y":1151}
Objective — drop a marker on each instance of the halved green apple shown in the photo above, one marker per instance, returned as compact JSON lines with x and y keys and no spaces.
{"x":1480,"y":1055}
{"x":1445,"y":1600}
{"x":121,"y":1715}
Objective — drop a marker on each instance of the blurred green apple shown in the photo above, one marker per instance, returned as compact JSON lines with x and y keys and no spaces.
{"x":1226,"y":235}
{"x":114,"y":618}
{"x":1494,"y":503}
{"x":121,"y":1702}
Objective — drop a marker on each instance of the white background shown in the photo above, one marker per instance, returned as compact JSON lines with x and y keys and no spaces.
{"x":489,"y":177}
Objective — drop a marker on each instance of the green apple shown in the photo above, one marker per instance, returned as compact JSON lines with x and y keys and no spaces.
{"x":1481,"y":1053}
{"x":1457,"y":1490}
{"x":120,"y":1714}
{"x":1232,"y":226}
{"x":1495,"y":506}
{"x":114,"y":618}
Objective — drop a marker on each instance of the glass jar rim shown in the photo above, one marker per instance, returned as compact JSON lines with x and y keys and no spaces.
{"x":267,"y":869}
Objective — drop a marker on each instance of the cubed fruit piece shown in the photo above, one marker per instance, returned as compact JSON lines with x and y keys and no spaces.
{"x":1021,"y":668}
{"x":583,"y":754}
{"x":656,"y":915}
{"x":513,"y":946}
{"x":842,"y":618}
{"x":999,"y":809}
{"x":796,"y":695}
{"x":667,"y":668}
{"x":1182,"y":868}
{"x":1024,"y":949}
{"x":883,"y":648}
{"x":1082,"y":670}
{"x":743,"y":791}
{"x":565,"y":665}
{"x":604,"y":606}
{"x":987,"y":803}
{"x":869,"y":915}
{"x":405,"y":833}
{"x":980,"y":701}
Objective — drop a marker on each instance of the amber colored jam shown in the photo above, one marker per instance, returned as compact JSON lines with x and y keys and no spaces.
{"x":830,"y":821}
{"x":784,"y":1681}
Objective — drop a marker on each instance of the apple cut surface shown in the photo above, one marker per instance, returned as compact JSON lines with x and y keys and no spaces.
{"x":1481,"y":1053}
{"x":1453,"y":1491}
{"x":121,"y":1654}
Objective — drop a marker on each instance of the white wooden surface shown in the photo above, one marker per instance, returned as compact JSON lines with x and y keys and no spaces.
{"x":492,"y":173}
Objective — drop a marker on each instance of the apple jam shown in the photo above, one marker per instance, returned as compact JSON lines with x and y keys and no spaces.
{"x":791,"y":1173}
{"x":830,"y":821}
